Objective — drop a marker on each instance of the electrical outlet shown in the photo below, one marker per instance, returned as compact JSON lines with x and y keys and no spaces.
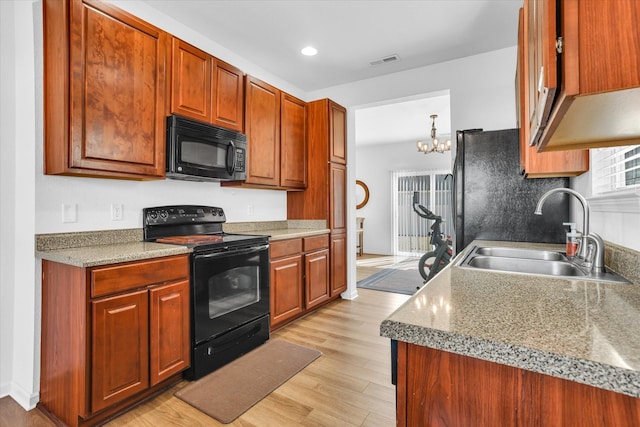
{"x":116,"y":212}
{"x":69,"y":212}
{"x":250,"y":210}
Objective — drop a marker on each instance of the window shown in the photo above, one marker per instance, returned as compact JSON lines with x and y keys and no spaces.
{"x":615,"y":179}
{"x":632,"y":167}
{"x":615,"y":169}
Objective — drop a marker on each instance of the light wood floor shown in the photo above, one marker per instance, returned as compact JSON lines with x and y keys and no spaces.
{"x":349,"y":385}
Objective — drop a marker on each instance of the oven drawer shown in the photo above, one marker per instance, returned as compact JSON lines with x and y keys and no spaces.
{"x":122,"y":277}
{"x":316,"y":242}
{"x":285,"y":247}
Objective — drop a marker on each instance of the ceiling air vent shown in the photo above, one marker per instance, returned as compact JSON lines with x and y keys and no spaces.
{"x":386,"y":59}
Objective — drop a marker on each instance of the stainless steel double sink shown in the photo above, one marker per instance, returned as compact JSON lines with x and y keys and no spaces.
{"x":531,"y":261}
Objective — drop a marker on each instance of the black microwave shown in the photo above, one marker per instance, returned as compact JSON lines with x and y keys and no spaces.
{"x":199,"y":151}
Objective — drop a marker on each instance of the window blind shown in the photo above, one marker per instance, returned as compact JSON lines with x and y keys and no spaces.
{"x":615,"y":168}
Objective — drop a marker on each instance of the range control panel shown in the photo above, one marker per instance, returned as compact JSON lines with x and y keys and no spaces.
{"x":187,"y":214}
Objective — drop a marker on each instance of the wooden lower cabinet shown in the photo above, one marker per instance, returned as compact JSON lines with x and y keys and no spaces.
{"x":299,"y":277}
{"x":119,"y":348}
{"x":316,"y":270}
{"x":111,"y":336}
{"x":338,"y":263}
{"x":286,"y":288}
{"x":438,"y":388}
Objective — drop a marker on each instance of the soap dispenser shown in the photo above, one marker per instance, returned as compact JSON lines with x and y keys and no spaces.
{"x":573,"y":239}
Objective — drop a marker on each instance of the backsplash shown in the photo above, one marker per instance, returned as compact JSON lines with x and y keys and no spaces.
{"x":53,"y":241}
{"x":623,"y":261}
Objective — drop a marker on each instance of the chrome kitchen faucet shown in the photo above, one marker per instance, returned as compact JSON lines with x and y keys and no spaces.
{"x":598,"y":261}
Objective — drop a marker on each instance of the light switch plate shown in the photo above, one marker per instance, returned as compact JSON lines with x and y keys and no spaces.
{"x":116,"y":212}
{"x":69,"y":212}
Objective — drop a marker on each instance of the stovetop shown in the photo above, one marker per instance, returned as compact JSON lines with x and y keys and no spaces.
{"x":191,"y":225}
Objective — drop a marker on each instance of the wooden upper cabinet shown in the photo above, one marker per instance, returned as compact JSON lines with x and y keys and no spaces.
{"x":105,"y":92}
{"x":542,"y":64}
{"x":262,"y":126}
{"x":191,"y":81}
{"x":293,"y":145}
{"x":228,"y":96}
{"x":337,"y":133}
{"x":534,"y":164}
{"x":326,"y":130}
{"x":597,"y":95}
{"x":205,"y":88}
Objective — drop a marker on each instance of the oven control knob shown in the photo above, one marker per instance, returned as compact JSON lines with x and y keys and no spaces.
{"x":153,"y":215}
{"x":164,"y":214}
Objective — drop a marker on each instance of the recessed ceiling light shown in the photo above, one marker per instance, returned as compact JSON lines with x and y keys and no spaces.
{"x":309,"y":51}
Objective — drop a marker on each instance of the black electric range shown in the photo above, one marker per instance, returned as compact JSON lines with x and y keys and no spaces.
{"x":229,"y":282}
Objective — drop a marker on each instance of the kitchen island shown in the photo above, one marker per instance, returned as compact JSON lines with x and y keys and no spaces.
{"x":486,"y":348}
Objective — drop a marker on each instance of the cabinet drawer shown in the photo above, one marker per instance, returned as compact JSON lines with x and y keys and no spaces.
{"x":286,"y":247}
{"x":316,"y":242}
{"x":121,"y":277}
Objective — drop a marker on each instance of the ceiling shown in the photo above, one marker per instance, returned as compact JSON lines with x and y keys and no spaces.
{"x":349,"y":35}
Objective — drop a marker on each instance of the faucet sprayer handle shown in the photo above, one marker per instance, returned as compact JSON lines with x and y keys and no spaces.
{"x":598,"y":260}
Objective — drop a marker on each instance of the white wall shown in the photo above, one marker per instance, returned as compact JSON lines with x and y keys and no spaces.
{"x":7,"y":193}
{"x":482,"y":94}
{"x":481,"y":87}
{"x":616,"y":222}
{"x":374,"y":164}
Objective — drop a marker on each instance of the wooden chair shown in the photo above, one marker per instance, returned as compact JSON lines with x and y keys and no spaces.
{"x":360,"y":234}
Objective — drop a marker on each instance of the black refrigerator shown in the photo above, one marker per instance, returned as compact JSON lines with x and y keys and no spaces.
{"x":493,"y":201}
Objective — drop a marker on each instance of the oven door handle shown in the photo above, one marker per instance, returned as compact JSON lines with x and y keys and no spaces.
{"x":230,"y":251}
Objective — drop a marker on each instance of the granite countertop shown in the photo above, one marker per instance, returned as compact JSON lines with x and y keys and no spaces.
{"x":573,"y":329}
{"x":91,"y":256}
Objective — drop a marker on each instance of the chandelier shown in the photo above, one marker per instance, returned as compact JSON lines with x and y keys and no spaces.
{"x":436,"y":145}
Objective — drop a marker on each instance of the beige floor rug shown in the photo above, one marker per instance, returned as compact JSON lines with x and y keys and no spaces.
{"x":392,"y":280}
{"x":228,"y":392}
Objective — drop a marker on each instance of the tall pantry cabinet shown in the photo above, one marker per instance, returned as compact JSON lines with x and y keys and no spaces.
{"x":325,"y":195}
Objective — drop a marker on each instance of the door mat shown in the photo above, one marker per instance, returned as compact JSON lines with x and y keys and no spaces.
{"x":228,"y":392}
{"x":392,"y":280}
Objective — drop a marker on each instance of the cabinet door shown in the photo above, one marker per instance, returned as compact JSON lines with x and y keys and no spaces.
{"x":119,"y":348}
{"x":543,"y":77}
{"x":118,"y":93}
{"x":286,"y":288}
{"x":262,"y":126}
{"x":533,"y":163}
{"x":337,"y":133}
{"x":316,"y":277}
{"x":338,"y":263}
{"x":169,"y":330}
{"x":337,"y":197}
{"x":228,"y":96}
{"x":190,"y":81}
{"x":293,"y":147}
